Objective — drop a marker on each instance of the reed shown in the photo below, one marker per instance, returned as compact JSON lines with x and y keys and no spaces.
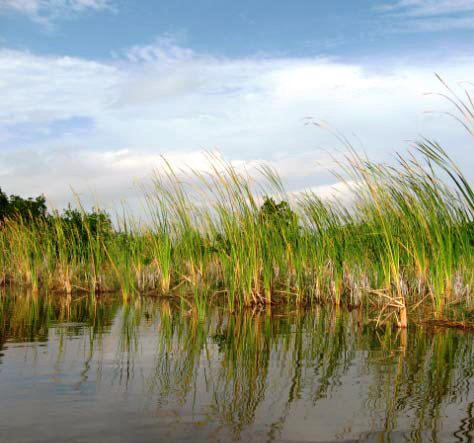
{"x":404,"y":242}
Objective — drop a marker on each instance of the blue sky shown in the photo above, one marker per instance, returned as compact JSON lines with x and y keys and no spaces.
{"x":94,"y":91}
{"x":347,"y":28}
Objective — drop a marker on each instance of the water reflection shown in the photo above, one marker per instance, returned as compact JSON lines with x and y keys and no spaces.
{"x":151,"y":370}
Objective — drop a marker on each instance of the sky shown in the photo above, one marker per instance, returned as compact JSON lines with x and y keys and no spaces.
{"x":95,"y":92}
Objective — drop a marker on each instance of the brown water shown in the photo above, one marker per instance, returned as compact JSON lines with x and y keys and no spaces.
{"x":85,"y":370}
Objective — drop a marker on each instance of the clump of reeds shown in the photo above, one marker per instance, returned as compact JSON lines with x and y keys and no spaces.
{"x":404,"y":240}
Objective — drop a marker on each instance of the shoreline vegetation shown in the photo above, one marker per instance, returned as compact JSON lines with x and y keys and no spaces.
{"x":403,"y":246}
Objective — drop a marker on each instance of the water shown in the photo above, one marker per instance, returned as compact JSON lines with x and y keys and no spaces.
{"x":80,"y":370}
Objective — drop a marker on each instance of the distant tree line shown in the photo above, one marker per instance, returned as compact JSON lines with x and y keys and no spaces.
{"x":26,"y":208}
{"x":80,"y":223}
{"x":32,"y":210}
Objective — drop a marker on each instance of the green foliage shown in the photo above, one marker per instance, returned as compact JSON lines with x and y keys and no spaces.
{"x":277,"y":215}
{"x":407,"y":238}
{"x":405,"y":241}
{"x":84,"y":225}
{"x":27,"y":209}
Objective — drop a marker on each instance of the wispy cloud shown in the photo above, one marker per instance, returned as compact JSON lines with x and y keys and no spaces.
{"x":47,"y":11}
{"x":424,"y":8}
{"x":429,"y":15}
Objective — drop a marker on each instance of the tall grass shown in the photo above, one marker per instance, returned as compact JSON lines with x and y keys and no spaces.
{"x":405,"y":240}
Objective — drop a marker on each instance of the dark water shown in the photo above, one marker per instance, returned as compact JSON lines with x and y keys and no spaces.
{"x":85,"y":370}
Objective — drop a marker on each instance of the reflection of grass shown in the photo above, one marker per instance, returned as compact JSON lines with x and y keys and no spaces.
{"x":415,"y":373}
{"x":406,"y":241}
{"x":228,"y":365}
{"x":28,"y":316}
{"x":418,"y":374}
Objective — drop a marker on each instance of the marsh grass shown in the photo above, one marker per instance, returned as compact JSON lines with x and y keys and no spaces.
{"x":404,"y":241}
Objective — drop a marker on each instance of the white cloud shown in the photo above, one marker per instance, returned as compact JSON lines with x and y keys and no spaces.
{"x":111,"y":177}
{"x":46,"y":11}
{"x":41,"y":89}
{"x":342,"y":192}
{"x":163,"y":99}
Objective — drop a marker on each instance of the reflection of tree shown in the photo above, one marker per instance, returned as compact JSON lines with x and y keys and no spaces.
{"x":27,"y":317}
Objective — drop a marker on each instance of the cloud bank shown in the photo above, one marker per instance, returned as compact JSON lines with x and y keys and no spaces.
{"x":101,"y":127}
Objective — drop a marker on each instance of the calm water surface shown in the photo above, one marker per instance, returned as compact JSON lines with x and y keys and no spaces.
{"x":85,"y":370}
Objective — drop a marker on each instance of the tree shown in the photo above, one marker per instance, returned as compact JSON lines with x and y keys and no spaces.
{"x":278,"y":215}
{"x":96,"y":223}
{"x":26,"y":208}
{"x":4,"y":205}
